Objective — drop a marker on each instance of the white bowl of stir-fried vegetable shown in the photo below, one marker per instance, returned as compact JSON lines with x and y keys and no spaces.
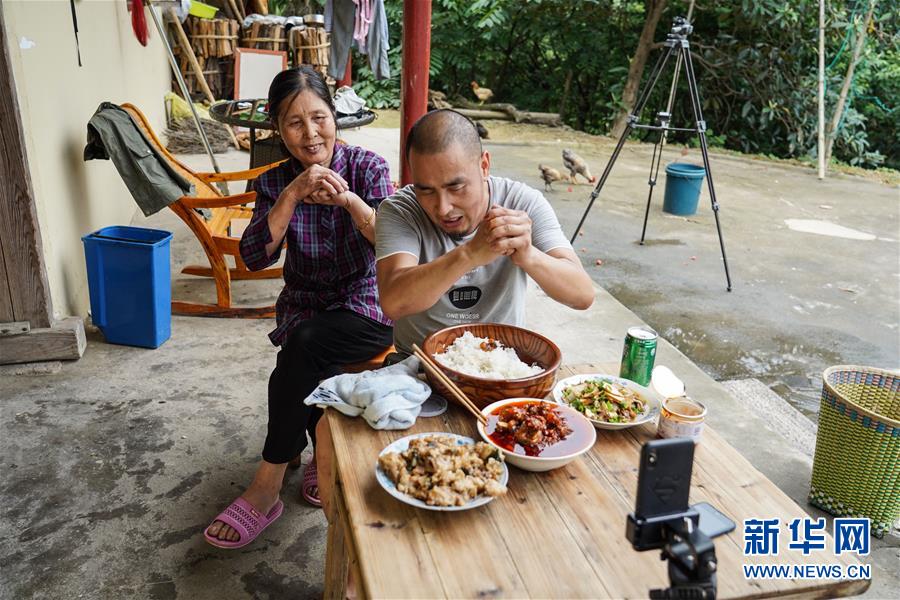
{"x":607,"y":401}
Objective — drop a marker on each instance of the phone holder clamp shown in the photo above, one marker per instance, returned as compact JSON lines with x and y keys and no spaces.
{"x":690,"y":553}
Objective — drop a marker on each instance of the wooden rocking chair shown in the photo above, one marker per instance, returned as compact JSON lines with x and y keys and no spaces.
{"x":213,"y":234}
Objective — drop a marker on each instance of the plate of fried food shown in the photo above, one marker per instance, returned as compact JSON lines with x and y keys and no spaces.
{"x":607,"y":401}
{"x":442,"y":471}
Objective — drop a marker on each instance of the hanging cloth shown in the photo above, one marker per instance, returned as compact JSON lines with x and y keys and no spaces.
{"x":139,"y":21}
{"x":377,"y":42}
{"x":342,"y":19}
{"x":113,"y":135}
{"x":362,"y":22}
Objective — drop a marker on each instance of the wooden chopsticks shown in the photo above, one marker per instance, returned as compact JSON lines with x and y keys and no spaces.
{"x":448,"y":383}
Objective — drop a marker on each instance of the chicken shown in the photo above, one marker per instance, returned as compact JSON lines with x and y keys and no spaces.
{"x":549,"y":175}
{"x":482,"y":130}
{"x":576,"y":166}
{"x":483,"y":94}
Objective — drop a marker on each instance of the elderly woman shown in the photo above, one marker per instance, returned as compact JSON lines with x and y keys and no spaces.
{"x":321,"y":202}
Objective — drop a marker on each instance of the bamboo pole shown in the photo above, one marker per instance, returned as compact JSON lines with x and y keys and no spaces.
{"x":821,"y":142}
{"x":183,"y":86}
{"x":192,"y":60}
{"x":848,"y":79}
{"x":238,"y":7}
{"x":188,"y":51}
{"x":230,"y":11}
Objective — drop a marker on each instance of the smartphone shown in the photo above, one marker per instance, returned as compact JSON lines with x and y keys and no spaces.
{"x":712,"y":522}
{"x":664,"y":479}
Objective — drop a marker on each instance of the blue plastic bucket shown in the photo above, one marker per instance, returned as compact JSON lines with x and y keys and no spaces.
{"x":130,"y":286}
{"x":683,"y":182}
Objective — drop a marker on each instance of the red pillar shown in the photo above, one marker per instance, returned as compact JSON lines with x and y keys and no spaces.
{"x":414,"y":77}
{"x":347,"y":79}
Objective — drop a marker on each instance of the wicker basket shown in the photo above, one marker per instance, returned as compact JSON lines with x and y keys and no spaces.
{"x":856,"y":470}
{"x":268,"y":151}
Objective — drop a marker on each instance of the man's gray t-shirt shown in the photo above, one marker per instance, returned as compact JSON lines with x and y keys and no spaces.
{"x":494,"y":293}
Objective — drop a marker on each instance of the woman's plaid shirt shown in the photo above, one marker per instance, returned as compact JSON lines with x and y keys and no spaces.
{"x":329,"y":265}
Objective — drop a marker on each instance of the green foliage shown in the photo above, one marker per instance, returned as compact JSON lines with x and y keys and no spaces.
{"x":755,"y":61}
{"x":765,"y":59}
{"x":378,"y":93}
{"x":295,"y":7}
{"x":879,"y":104}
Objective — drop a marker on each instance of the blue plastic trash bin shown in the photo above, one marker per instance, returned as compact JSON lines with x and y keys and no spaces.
{"x":683,"y":182}
{"x":131,"y":292}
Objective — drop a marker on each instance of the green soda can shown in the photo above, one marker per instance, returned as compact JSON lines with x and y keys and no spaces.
{"x":638,"y":355}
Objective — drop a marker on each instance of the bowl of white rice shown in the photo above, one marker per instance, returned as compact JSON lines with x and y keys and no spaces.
{"x":491,"y":361}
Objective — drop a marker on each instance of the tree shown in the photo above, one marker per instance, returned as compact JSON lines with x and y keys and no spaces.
{"x":654,"y":10}
{"x":831,"y":132}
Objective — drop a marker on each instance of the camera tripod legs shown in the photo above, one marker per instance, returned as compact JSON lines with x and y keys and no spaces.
{"x":654,"y":175}
{"x":676,"y":45}
{"x":701,"y":130}
{"x":599,"y":186}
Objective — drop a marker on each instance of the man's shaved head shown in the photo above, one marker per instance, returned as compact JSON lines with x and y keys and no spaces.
{"x":438,"y":130}
{"x":449,"y":170}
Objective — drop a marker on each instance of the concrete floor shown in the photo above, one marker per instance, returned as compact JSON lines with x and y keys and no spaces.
{"x":114,"y":464}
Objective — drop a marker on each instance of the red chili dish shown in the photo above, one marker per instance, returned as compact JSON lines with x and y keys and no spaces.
{"x":537,"y":428}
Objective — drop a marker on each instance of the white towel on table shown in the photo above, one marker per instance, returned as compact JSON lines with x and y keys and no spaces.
{"x":388,"y":398}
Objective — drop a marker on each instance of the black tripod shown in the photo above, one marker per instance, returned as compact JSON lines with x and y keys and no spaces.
{"x":677,"y":45}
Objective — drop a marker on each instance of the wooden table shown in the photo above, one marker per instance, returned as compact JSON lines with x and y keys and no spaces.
{"x":559,"y":534}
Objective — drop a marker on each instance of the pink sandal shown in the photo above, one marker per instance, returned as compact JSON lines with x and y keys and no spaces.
{"x":310,"y":482}
{"x":244,"y":519}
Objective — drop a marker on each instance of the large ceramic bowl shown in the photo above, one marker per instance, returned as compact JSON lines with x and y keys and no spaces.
{"x":531,"y":347}
{"x":576,"y":443}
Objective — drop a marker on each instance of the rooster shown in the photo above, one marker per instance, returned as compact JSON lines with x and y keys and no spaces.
{"x":576,"y":166}
{"x":549,"y":175}
{"x":482,"y":130}
{"x":483,"y":94}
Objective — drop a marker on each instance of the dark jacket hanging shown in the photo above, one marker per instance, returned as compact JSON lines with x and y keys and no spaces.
{"x":154,"y":184}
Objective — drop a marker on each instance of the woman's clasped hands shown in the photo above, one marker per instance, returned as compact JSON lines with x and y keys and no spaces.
{"x":320,"y":185}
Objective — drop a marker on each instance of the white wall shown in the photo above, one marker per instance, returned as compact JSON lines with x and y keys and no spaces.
{"x":56,"y":100}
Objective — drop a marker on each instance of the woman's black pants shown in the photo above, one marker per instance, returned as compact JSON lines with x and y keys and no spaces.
{"x":315,"y":350}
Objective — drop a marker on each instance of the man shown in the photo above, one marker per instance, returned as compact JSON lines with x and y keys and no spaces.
{"x":455,"y":246}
